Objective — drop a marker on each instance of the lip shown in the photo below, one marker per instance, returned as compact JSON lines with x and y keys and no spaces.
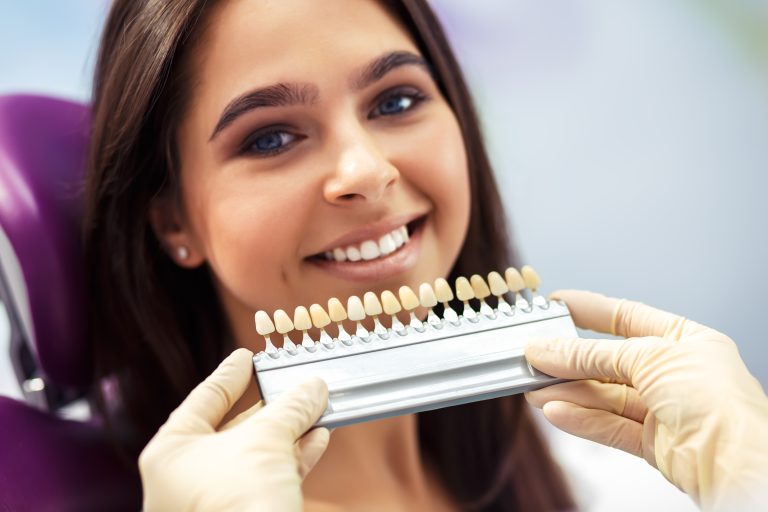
{"x":370,"y":232}
{"x":403,"y":259}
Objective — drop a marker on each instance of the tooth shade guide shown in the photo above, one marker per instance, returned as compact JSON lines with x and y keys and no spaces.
{"x":422,"y":370}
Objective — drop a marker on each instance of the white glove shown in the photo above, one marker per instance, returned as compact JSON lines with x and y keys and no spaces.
{"x":253,"y":463}
{"x":676,"y":393}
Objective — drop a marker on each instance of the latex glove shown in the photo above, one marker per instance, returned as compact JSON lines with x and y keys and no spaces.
{"x":676,"y":393}
{"x":255,"y":463}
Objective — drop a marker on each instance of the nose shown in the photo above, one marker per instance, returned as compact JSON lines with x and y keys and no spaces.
{"x":361,"y":174}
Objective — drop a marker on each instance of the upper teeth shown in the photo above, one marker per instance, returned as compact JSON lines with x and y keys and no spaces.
{"x":370,"y":249}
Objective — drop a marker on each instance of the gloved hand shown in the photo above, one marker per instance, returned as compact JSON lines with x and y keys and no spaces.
{"x":676,"y":393}
{"x":253,"y":463}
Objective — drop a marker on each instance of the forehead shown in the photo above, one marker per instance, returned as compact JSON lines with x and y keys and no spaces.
{"x":251,"y":43}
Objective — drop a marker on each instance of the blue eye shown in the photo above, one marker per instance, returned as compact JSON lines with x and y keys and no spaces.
{"x":269,"y":142}
{"x":397,"y":103}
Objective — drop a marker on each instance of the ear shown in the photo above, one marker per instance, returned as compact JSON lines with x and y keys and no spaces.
{"x":172,"y":230}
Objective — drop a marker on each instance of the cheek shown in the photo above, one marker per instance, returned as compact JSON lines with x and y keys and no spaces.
{"x":436,"y":164}
{"x":247,"y":237}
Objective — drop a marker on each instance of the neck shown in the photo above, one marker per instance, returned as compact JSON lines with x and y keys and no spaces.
{"x":368,"y":458}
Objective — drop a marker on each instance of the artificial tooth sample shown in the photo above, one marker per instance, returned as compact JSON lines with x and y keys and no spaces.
{"x":303,"y":322}
{"x":498,"y":289}
{"x":392,"y":307}
{"x":480,"y":287}
{"x":428,"y":299}
{"x":464,"y":293}
{"x":356,"y":313}
{"x":410,"y":302}
{"x":533,"y":281}
{"x":338,"y":314}
{"x":284,"y":326}
{"x":265,"y":327}
{"x":444,"y":295}
{"x":373,"y":309}
{"x":320,"y":319}
{"x":516,"y":285}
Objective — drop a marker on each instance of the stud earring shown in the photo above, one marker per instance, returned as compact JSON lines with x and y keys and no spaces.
{"x":182,"y":252}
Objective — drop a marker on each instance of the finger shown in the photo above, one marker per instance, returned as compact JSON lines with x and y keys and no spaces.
{"x":295,"y":411}
{"x":242,"y":416}
{"x":596,"y":425}
{"x":614,"y":360}
{"x":621,"y":317}
{"x":310,"y":448}
{"x":206,"y":405}
{"x":617,"y":399}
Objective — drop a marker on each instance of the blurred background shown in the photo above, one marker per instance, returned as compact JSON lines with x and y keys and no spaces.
{"x":630,"y":141}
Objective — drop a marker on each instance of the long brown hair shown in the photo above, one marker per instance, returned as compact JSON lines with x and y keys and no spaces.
{"x":157,"y":330}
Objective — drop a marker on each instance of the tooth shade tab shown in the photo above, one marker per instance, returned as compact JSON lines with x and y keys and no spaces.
{"x":464,"y":290}
{"x":283,"y":322}
{"x":427,"y":296}
{"x":514,"y":279}
{"x":408,"y":299}
{"x":372,"y":304}
{"x":301,"y":319}
{"x":498,"y":285}
{"x":319,"y":317}
{"x":443,"y":290}
{"x":531,"y":278}
{"x":336,"y":310}
{"x":391,"y":305}
{"x":264,"y":325}
{"x":355,"y":309}
{"x":479,"y":286}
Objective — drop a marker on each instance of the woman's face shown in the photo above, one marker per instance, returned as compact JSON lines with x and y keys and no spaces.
{"x":315,"y":133}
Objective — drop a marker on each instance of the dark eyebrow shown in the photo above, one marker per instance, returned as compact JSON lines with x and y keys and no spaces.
{"x":278,"y":95}
{"x":386,"y":63}
{"x":287,"y":94}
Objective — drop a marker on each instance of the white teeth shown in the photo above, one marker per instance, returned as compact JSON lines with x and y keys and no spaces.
{"x":387,"y":244}
{"x":353,"y":254}
{"x":339,"y":254}
{"x":397,"y":236}
{"x":369,"y":250}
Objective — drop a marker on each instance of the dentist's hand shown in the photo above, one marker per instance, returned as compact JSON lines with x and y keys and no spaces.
{"x":253,"y":463}
{"x":675,"y":392}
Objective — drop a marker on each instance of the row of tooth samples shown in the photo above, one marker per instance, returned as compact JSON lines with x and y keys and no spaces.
{"x":371,"y":306}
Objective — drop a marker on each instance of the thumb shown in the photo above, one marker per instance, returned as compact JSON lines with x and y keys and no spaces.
{"x":310,"y":448}
{"x":206,"y":405}
{"x":294,"y":411}
{"x":612,"y":360}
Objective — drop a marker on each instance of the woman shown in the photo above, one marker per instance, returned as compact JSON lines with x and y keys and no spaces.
{"x":234,"y":144}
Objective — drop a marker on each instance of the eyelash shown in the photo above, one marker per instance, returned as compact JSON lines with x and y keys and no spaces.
{"x":415,"y":96}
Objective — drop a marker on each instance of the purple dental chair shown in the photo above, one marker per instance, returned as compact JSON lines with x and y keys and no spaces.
{"x":47,"y":462}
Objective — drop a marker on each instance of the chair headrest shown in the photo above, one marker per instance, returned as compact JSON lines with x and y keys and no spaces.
{"x":43,"y":144}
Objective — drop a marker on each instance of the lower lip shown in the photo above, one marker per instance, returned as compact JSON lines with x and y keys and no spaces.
{"x":403,"y":259}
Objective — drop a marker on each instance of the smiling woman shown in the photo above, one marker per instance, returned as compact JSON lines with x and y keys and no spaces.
{"x":255,"y":155}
